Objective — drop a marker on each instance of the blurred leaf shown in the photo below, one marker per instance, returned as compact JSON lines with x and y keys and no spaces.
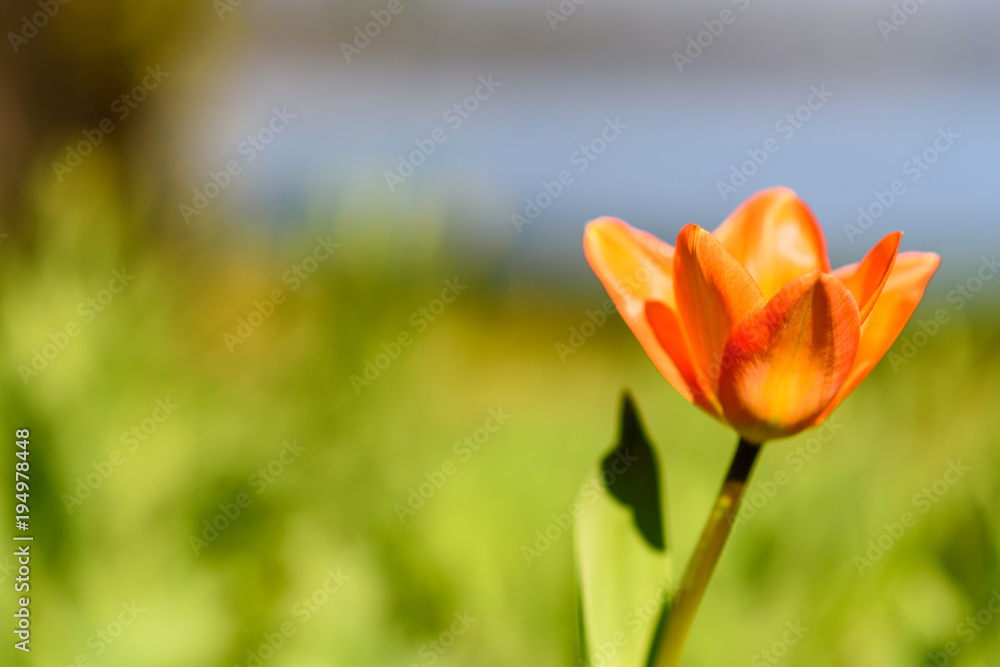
{"x":623,"y":562}
{"x":968,"y":552}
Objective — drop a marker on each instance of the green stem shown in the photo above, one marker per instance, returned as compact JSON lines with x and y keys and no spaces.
{"x":670,"y":644}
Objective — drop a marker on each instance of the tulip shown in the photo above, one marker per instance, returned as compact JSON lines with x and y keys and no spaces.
{"x":750,"y":324}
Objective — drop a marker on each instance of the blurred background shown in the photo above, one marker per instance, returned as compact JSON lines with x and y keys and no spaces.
{"x":287,"y":290}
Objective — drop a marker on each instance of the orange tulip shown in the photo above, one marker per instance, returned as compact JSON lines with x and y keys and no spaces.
{"x":748,"y":322}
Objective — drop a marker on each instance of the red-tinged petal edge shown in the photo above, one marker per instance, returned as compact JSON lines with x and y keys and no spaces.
{"x":900,"y":297}
{"x":867,"y":278}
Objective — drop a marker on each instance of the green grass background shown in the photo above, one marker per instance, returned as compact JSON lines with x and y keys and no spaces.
{"x":333,"y":507}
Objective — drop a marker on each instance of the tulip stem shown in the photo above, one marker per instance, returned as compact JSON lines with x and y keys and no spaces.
{"x":670,"y":643}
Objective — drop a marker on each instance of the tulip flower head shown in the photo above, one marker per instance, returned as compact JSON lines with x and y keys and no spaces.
{"x":748,"y":322}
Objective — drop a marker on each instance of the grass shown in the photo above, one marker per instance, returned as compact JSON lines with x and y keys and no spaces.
{"x":335,"y":507}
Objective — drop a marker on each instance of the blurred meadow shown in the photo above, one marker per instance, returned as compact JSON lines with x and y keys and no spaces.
{"x":273,"y":440}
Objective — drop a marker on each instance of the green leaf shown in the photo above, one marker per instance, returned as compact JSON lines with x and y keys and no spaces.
{"x":622,"y":557}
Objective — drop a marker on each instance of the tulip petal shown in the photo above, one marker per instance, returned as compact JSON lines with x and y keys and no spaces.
{"x":867,"y":278}
{"x":669,"y":333}
{"x":714,"y":292}
{"x":902,"y":293}
{"x":636,"y":267}
{"x":786,"y":361}
{"x":775,"y":236}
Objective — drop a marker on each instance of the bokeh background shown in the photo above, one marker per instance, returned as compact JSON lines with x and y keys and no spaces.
{"x":321,"y":566}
